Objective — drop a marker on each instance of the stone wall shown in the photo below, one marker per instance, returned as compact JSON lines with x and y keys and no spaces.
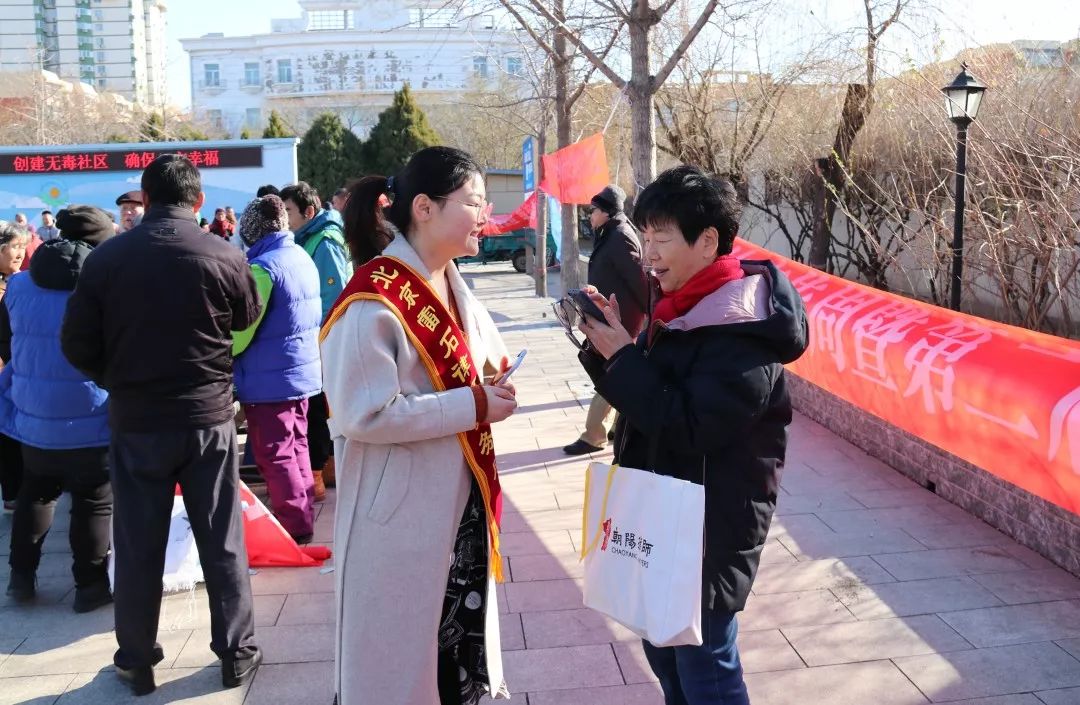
{"x":1046,"y":528}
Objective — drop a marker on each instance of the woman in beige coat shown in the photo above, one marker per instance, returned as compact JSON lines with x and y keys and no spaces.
{"x":416,"y":610}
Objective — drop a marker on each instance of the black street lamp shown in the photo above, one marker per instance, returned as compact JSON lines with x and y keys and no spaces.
{"x":962,"y":100}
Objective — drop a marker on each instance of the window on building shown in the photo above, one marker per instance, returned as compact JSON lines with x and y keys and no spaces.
{"x":487,"y":22}
{"x":514,"y":66}
{"x":101,"y":56}
{"x":211,"y":75}
{"x":100,"y":42}
{"x":99,"y":27}
{"x":428,"y":17}
{"x":99,"y":15}
{"x":101,"y":83}
{"x":284,"y":70}
{"x":100,"y":70}
{"x":253,"y":117}
{"x":329,"y":19}
{"x":480,"y":66}
{"x":251,"y":73}
{"x":214,"y":116}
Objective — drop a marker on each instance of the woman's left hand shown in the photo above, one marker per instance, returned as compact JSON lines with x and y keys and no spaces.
{"x":606,"y":339}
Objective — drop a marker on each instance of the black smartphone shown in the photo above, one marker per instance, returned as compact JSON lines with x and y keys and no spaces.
{"x":586,"y":305}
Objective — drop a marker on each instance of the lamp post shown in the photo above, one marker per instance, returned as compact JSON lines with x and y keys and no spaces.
{"x":962,"y":100}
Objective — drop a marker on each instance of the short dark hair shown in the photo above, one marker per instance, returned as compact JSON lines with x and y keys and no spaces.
{"x":435,"y":171}
{"x":267,"y":190}
{"x":46,"y":212}
{"x":341,"y":192}
{"x":303,"y":195}
{"x":172,"y":180}
{"x":693,"y":200}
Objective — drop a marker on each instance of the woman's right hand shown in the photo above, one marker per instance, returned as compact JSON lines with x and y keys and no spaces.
{"x":501,"y":403}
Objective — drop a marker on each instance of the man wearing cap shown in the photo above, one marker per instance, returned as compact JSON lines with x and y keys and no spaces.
{"x":58,"y":414}
{"x":614,"y":268}
{"x":131,"y":209}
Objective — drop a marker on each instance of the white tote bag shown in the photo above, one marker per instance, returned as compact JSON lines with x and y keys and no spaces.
{"x":642,"y":542}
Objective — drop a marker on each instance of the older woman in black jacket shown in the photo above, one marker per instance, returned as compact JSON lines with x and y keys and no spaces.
{"x":701,"y":397}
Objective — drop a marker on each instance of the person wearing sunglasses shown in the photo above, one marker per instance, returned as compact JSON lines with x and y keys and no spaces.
{"x":614,"y":269}
{"x":701,"y":397}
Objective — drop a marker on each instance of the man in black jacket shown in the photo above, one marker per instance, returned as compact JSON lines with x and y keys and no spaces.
{"x":702,"y":397}
{"x":150,"y":321}
{"x":614,"y":268}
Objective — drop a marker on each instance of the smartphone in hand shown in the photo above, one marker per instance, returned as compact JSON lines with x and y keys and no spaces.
{"x":505,"y":377}
{"x":586,"y":305}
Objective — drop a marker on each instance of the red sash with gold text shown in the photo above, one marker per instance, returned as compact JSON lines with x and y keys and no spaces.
{"x":444,"y":349}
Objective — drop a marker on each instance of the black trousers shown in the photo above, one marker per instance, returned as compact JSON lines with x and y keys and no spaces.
{"x":11,"y":468}
{"x":84,"y":473}
{"x":320,"y":447}
{"x":146,"y":468}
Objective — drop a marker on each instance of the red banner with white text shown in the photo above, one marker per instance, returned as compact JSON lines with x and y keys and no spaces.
{"x":1003,"y":398}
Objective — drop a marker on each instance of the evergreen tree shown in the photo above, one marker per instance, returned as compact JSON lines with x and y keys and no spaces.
{"x":328,"y":155}
{"x":189,"y":133}
{"x":402,"y":129}
{"x":276,"y":127}
{"x":154,"y":129}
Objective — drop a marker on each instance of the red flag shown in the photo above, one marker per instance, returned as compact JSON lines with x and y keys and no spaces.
{"x":576,"y":173}
{"x":522,"y":217}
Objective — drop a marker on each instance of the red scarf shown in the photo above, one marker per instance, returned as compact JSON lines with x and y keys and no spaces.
{"x":679,"y":302}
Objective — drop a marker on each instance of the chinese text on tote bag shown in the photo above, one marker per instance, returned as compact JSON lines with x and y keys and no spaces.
{"x":642,"y":546}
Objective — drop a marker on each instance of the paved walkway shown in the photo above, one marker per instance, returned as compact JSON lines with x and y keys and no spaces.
{"x":871,"y":590}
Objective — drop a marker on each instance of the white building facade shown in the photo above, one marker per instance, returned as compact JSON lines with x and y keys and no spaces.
{"x":347,"y":57}
{"x":113,"y":45}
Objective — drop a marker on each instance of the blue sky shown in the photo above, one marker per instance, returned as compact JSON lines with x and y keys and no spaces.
{"x":966,"y":23}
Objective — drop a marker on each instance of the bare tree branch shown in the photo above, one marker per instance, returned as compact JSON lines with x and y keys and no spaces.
{"x":576,"y":40}
{"x":676,"y":56}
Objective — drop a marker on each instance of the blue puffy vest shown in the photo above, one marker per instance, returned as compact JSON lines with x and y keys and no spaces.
{"x":53,"y":405}
{"x":282,"y":362}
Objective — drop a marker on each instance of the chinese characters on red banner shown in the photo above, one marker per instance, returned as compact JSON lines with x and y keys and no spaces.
{"x":1003,"y":398}
{"x":66,"y":162}
{"x":125,"y":160}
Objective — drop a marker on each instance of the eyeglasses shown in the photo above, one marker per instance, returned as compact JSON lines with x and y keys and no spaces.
{"x":568,"y":314}
{"x":483,"y":208}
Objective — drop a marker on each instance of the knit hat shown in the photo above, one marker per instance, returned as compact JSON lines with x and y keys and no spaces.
{"x":610,"y":200}
{"x":87,"y":224}
{"x":263,"y":216}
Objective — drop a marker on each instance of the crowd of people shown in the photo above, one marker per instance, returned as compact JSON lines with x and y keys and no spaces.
{"x":121,"y":382}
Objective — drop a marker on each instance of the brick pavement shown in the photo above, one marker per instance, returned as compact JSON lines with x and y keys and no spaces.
{"x":871,"y":589}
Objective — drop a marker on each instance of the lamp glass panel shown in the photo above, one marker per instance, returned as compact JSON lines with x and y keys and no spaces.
{"x":974,"y":101}
{"x":955,"y":101}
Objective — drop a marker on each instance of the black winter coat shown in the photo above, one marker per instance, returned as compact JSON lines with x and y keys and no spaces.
{"x":708,"y":404}
{"x":615,"y":268}
{"x":151,"y":319}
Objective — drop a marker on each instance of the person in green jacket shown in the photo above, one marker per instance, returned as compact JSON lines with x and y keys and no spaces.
{"x":320,"y":233}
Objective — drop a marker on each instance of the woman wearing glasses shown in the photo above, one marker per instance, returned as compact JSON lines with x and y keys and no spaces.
{"x":406,"y":351}
{"x":701,"y":397}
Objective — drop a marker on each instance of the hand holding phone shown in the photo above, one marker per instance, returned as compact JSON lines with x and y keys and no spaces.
{"x":587,"y":306}
{"x":505,"y":376}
